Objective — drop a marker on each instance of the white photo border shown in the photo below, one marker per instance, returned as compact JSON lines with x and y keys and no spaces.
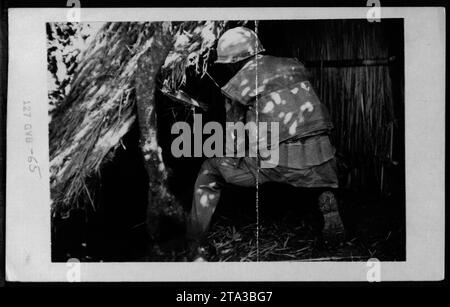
{"x":28,"y":246}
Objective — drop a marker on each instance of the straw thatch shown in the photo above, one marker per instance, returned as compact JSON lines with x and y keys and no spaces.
{"x":88,"y":125}
{"x":360,"y":98}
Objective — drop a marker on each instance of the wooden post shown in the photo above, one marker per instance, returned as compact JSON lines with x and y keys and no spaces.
{"x":160,"y":201}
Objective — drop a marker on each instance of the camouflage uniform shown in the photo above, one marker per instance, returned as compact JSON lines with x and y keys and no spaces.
{"x":279,"y":90}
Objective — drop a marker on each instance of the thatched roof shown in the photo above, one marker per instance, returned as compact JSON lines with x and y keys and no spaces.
{"x":99,"y":110}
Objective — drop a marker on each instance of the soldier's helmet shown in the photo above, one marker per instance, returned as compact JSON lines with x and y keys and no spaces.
{"x":237,"y":44}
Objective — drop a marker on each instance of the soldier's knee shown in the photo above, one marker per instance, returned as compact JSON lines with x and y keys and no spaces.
{"x":207,"y":164}
{"x":206,"y":174}
{"x":208,"y":167}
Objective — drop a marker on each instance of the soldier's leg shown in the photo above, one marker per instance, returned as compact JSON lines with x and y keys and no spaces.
{"x":314,"y":217}
{"x":213,"y":175}
{"x":322,"y":216}
{"x":207,"y":189}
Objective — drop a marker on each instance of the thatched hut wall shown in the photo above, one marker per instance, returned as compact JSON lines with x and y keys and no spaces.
{"x":88,"y":124}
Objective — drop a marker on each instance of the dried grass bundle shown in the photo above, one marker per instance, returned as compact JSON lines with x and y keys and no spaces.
{"x":88,"y":125}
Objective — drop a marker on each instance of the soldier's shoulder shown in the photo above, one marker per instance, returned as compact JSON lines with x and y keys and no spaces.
{"x":271,"y":60}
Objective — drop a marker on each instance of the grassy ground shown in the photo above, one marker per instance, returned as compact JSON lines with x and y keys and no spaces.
{"x":284,"y":242}
{"x":289,"y":239}
{"x":377,"y":231}
{"x":374,"y":229}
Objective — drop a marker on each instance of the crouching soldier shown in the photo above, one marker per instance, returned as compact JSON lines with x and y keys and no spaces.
{"x":268,"y":89}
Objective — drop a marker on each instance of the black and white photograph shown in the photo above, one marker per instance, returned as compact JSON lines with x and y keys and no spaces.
{"x":119,"y":193}
{"x":225,"y":144}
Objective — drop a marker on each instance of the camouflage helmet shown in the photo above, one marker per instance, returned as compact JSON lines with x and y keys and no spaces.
{"x":237,"y":44}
